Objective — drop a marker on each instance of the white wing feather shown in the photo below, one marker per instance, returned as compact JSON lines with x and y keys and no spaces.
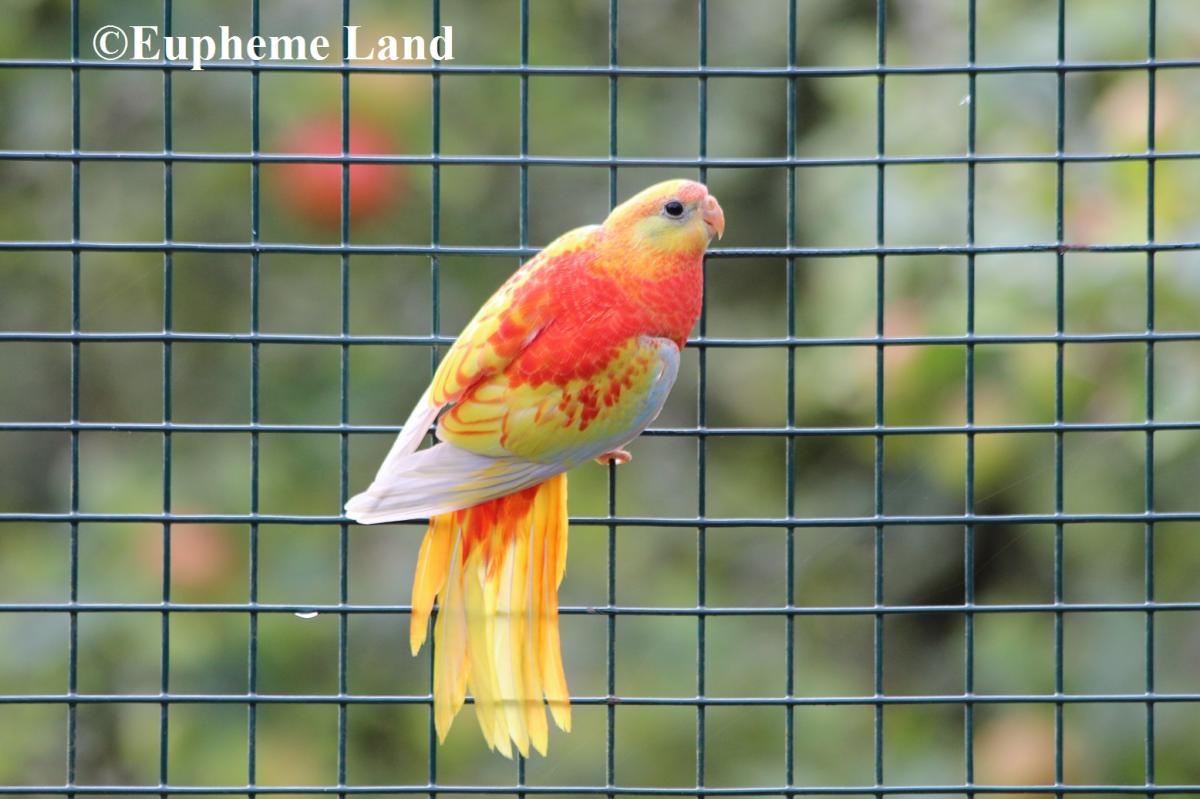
{"x":411,"y":435}
{"x":441,"y":479}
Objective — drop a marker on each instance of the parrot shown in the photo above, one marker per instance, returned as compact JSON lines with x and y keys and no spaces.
{"x":568,"y":362}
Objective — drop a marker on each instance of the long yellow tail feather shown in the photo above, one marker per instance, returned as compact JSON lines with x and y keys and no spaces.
{"x":495,"y":569}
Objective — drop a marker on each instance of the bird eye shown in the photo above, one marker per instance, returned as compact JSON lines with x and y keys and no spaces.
{"x":673,"y":209}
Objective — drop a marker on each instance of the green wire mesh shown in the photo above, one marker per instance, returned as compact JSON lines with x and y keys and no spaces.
{"x":879,"y":521}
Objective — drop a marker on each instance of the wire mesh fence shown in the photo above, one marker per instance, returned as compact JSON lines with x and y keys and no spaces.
{"x":115,"y":689}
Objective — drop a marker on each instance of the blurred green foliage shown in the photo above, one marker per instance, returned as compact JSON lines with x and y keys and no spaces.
{"x":1105,"y":112}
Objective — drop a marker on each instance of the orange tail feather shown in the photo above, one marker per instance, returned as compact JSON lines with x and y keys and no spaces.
{"x":495,"y":568}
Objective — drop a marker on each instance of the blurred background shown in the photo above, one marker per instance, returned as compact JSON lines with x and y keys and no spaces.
{"x":393,"y":295}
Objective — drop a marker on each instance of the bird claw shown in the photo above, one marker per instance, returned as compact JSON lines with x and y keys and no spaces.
{"x":617,"y":457}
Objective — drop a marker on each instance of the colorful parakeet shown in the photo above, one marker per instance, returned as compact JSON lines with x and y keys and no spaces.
{"x":567,"y":362}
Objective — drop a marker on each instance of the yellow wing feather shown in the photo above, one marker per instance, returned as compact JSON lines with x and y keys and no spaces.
{"x":569,"y":423}
{"x":503,"y":327}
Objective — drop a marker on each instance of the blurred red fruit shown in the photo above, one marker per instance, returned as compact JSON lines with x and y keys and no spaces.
{"x":202,"y":556}
{"x":314,"y":190}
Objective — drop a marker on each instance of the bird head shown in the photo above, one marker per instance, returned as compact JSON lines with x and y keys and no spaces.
{"x":677,"y":216}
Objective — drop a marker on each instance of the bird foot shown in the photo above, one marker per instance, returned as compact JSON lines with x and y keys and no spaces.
{"x":616,"y":457}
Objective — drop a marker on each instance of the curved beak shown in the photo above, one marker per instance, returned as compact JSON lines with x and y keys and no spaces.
{"x":714,"y":217}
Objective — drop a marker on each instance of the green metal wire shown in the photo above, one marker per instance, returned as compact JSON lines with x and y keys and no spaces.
{"x":164,"y":721}
{"x":444,"y":249}
{"x":789,"y":464}
{"x":596,"y":790}
{"x":610,"y":653}
{"x":1058,"y":66}
{"x":954,"y":520}
{"x":523,"y":205}
{"x":645,"y":701}
{"x":344,"y":410}
{"x":1059,"y":324}
{"x":255,"y":358}
{"x":73,"y":542}
{"x":596,"y":161}
{"x":969,"y":404}
{"x":620,"y":610}
{"x":879,"y":520}
{"x":1148,"y":530}
{"x":593,"y":790}
{"x":702,"y":414}
{"x":435,"y":281}
{"x":877,"y":476}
